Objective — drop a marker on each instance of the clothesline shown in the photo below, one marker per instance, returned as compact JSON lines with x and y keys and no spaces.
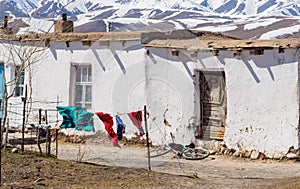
{"x":135,"y":117}
{"x":80,"y":119}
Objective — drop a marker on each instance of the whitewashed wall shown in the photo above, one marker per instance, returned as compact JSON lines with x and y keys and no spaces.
{"x":262,"y":97}
{"x":263,"y":106}
{"x":262,"y":90}
{"x":125,"y":79}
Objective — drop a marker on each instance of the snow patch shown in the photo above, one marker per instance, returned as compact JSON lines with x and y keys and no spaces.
{"x":280,"y":32}
{"x":262,"y":22}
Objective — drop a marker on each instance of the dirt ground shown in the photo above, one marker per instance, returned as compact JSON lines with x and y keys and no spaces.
{"x":32,"y":171}
{"x":95,"y":163}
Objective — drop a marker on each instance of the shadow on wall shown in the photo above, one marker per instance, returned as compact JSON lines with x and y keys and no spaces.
{"x":174,"y":55}
{"x":118,"y":60}
{"x":261,"y":60}
{"x":266,"y":59}
{"x":98,"y":58}
{"x":252,"y":72}
{"x":259,"y":57}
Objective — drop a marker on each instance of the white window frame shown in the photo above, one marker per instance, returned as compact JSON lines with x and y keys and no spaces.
{"x":85,"y":81}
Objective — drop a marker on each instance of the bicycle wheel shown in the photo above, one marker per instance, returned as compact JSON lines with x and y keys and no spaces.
{"x":195,"y":154}
{"x":159,"y":151}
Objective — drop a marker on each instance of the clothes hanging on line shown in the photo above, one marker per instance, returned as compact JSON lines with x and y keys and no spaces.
{"x":76,"y":117}
{"x":108,"y":123}
{"x":84,"y":120}
{"x":120,"y":127}
{"x":137,"y":120}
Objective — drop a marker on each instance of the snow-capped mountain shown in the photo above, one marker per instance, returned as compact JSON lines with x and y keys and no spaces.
{"x":239,"y":18}
{"x":50,"y":8}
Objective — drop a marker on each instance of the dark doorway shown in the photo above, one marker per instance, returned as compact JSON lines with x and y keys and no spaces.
{"x":213,"y":104}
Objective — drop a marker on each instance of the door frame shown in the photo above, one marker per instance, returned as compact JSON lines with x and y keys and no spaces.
{"x":197,"y":101}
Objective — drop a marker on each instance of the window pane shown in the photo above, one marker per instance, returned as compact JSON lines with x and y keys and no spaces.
{"x":84,"y":74}
{"x":17,"y":70}
{"x":21,"y":79}
{"x":88,"y":93}
{"x":88,"y":105}
{"x":78,"y":74}
{"x":78,"y":93}
{"x":21,"y":91}
{"x":19,"y":82}
{"x":83,"y":86}
{"x":78,"y":104}
{"x":89,"y":74}
{"x":17,"y":91}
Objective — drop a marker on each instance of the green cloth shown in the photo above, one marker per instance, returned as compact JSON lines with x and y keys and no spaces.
{"x":76,"y":117}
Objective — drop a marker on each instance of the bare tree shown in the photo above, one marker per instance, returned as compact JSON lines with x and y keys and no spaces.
{"x":21,"y":53}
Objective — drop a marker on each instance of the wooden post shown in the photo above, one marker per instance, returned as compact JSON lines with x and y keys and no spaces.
{"x":48,"y":135}
{"x":46,"y":117}
{"x":40,"y":117}
{"x":1,"y":128}
{"x":24,"y":116}
{"x":47,"y":140}
{"x":0,"y":144}
{"x":0,"y":148}
{"x":56,"y":141}
{"x":147,"y":137}
{"x":48,"y":143}
{"x":38,"y":140}
{"x":56,"y":130}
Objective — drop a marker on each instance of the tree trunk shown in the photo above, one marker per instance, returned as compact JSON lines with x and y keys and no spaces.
{"x":6,"y":135}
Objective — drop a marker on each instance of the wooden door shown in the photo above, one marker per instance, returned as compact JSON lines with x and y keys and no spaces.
{"x":212,"y":104}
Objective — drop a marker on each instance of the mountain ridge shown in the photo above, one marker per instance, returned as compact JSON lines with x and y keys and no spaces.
{"x":232,"y":17}
{"x":39,"y":8}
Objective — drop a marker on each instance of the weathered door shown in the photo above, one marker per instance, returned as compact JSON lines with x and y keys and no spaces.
{"x":212,"y":104}
{"x":1,"y":88}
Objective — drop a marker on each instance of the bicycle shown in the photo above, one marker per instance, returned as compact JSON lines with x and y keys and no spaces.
{"x":180,"y":150}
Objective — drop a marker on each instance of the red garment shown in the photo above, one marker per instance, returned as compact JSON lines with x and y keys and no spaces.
{"x":108,"y":123}
{"x":137,"y":120}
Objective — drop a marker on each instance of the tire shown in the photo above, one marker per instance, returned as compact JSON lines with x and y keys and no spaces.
{"x":176,"y":148}
{"x":195,"y":154}
{"x":159,"y":151}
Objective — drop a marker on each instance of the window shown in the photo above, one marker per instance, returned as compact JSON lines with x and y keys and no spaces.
{"x":83,"y":86}
{"x":19,"y":75}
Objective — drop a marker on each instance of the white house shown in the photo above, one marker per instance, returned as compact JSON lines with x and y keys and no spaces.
{"x":194,"y":84}
{"x":246,"y":92}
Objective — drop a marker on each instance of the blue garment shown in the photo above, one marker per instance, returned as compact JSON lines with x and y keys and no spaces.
{"x":120,"y":127}
{"x":76,"y":117}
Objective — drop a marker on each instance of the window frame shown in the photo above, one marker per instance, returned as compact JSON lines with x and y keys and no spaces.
{"x":20,"y":84}
{"x":82,"y":99}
